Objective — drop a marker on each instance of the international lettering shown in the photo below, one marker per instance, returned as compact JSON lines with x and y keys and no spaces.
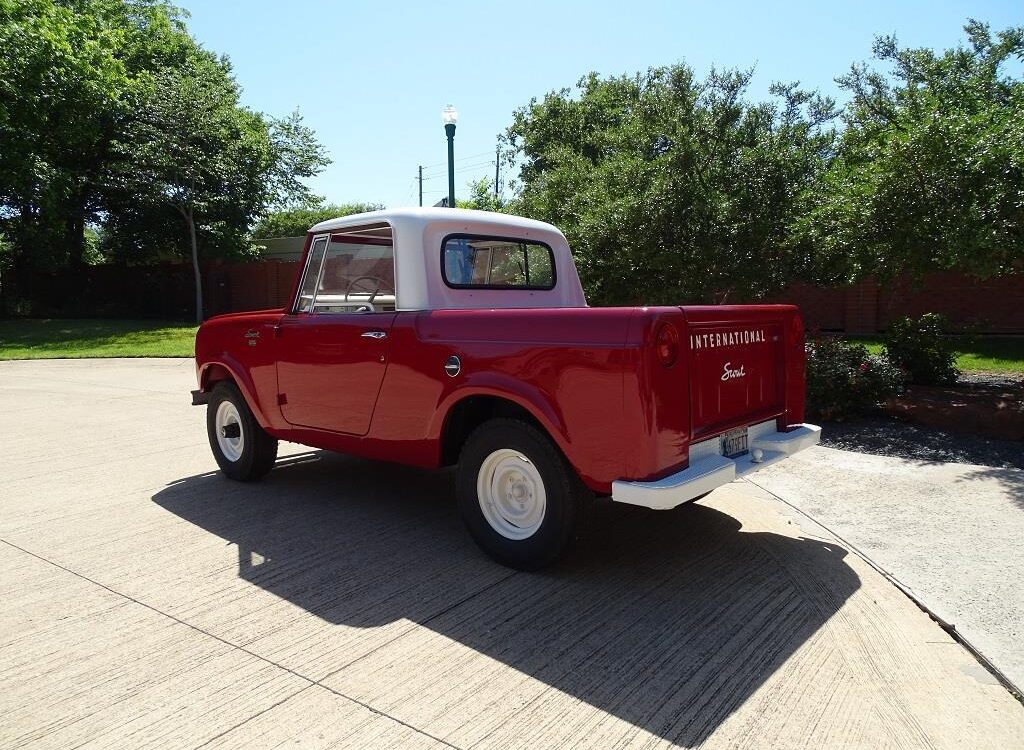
{"x":727,"y":338}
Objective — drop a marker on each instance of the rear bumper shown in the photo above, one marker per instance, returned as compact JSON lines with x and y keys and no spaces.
{"x":709,"y":469}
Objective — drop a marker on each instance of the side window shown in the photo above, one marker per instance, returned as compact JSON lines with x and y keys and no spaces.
{"x":497,"y":263}
{"x":358,"y":276}
{"x":350,"y":271}
{"x":307,"y":291}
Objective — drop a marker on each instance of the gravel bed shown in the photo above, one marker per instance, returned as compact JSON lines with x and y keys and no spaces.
{"x":884,"y":436}
{"x":990,"y":379}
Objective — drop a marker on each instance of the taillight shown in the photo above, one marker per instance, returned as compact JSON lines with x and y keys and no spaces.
{"x":667,"y":344}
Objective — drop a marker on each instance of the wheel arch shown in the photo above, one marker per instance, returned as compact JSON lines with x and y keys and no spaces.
{"x":465,"y":411}
{"x":213,"y":372}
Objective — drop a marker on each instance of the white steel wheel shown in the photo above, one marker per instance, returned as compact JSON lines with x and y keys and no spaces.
{"x":517,"y":495}
{"x":230,"y":437}
{"x":511,"y":494}
{"x":244,"y":451}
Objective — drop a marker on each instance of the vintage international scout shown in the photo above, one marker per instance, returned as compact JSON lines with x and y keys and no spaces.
{"x":438,"y":337}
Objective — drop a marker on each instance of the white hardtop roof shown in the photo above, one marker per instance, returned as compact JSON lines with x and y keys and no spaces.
{"x":418,"y":235}
{"x":483,"y":221}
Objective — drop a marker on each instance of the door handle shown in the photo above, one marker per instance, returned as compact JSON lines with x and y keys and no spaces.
{"x":374,"y":334}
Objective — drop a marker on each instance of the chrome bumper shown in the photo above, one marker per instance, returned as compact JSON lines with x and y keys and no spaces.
{"x":709,"y":469}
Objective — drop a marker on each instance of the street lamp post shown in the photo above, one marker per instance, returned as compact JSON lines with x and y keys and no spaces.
{"x":449,"y":117}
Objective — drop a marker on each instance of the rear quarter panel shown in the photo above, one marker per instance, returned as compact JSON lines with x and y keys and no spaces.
{"x":565,"y":366}
{"x":657,"y":399}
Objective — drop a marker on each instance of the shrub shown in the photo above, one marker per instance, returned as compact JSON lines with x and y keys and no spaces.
{"x":920,"y":349}
{"x":844,"y":380}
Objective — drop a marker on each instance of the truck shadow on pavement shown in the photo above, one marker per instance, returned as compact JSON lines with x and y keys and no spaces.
{"x":667,"y":620}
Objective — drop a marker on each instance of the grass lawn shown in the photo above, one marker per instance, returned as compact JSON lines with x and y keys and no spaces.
{"x":52,"y":339}
{"x":978,"y":353}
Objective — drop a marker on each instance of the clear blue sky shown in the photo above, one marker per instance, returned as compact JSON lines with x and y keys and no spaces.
{"x":372,"y":78}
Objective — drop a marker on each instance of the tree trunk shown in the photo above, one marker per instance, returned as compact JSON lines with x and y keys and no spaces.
{"x":74,"y":237}
{"x":190,"y":220}
{"x":74,"y":228}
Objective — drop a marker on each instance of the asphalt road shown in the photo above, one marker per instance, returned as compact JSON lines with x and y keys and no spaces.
{"x":148,"y":602}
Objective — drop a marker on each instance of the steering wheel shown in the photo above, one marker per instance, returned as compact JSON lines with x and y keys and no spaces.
{"x":368,"y":305}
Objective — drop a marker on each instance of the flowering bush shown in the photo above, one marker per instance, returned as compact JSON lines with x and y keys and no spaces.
{"x":843,"y":379}
{"x":920,"y":349}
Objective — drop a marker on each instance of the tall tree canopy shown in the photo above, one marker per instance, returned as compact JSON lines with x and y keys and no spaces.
{"x":112,"y":115}
{"x":71,"y":76}
{"x":930,"y":169}
{"x":671,"y":188}
{"x":219,"y":166}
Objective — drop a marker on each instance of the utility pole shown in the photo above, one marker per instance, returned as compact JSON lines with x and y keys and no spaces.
{"x":497,"y":162}
{"x":421,"y":186}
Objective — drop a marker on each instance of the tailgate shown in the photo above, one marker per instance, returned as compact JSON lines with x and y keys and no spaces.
{"x":737,"y":367}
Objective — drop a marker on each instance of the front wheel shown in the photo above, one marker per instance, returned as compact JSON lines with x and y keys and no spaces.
{"x":519,"y":498}
{"x":244,"y":451}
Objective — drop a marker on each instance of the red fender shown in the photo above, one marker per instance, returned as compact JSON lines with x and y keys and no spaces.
{"x":509,"y":389}
{"x":242,"y":379}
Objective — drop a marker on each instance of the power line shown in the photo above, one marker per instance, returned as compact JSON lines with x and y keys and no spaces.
{"x":474,"y":156}
{"x":463,"y":158}
{"x":478,"y":164}
{"x":421,"y":178}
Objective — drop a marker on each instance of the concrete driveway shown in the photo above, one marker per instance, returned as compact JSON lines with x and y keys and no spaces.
{"x":951,"y":534}
{"x":147,"y":602}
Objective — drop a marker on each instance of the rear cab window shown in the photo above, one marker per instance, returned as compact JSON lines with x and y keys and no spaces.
{"x":483,"y":262}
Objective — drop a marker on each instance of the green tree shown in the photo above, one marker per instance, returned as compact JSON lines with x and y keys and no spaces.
{"x":219,"y":166}
{"x":71,"y":75}
{"x":482,"y":197}
{"x":673,"y":189}
{"x":295,"y":222}
{"x":120,"y":137}
{"x":930,"y":171}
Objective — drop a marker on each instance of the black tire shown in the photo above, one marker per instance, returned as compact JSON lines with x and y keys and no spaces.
{"x":566,"y":495}
{"x":258,"y":449}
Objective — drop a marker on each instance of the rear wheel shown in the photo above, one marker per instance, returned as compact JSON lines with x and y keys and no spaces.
{"x":244,"y":451}
{"x":519,"y":498}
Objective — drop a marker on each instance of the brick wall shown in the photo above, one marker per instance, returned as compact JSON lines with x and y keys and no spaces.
{"x":232,"y":287}
{"x":992,"y":306}
{"x":159,"y":291}
{"x":165,"y":291}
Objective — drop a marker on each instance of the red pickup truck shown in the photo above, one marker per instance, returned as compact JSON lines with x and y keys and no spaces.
{"x":438,"y":337}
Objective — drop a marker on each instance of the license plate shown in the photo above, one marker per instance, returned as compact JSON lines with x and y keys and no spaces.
{"x":734,"y":442}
